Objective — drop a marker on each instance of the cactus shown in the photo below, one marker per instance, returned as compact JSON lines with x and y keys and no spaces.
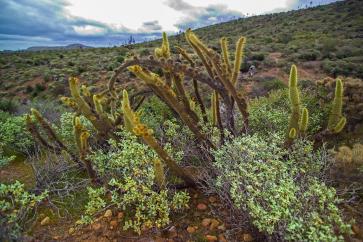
{"x":214,"y":100}
{"x":344,"y":155}
{"x":238,"y":59}
{"x":164,"y":51}
{"x":142,"y":130}
{"x":292,"y":133}
{"x":357,"y":154}
{"x":303,"y":126}
{"x":294,"y":98}
{"x":226,"y":62}
{"x":159,"y":174}
{"x":336,"y":121}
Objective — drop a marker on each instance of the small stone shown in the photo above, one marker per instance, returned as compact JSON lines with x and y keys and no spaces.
{"x":96,"y":226}
{"x":212,"y":199}
{"x":206,"y":222}
{"x":113,"y":224}
{"x":214,"y":224}
{"x":247,"y":237}
{"x":120,"y":215}
{"x":56,"y":237}
{"x":222,"y":227}
{"x":108,"y":213}
{"x":201,"y":206}
{"x":71,"y":230}
{"x":191,"y":229}
{"x":221,"y":238}
{"x":45,"y":221}
{"x":211,"y":237}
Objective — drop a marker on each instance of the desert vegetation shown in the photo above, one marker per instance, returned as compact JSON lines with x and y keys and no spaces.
{"x":171,"y":143}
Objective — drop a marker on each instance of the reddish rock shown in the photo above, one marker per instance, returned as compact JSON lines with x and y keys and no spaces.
{"x":201,"y":206}
{"x":191,"y":229}
{"x":247,"y":237}
{"x":108,"y":213}
{"x":206,"y":222}
{"x":214,"y":224}
{"x":120,"y":215}
{"x":221,"y":238}
{"x":212,"y":199}
{"x":211,"y":237}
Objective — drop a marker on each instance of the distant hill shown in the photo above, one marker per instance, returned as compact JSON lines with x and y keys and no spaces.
{"x":322,"y":41}
{"x":67,"y":47}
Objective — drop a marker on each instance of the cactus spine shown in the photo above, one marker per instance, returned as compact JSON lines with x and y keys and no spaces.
{"x":336,"y":121}
{"x":226,"y":62}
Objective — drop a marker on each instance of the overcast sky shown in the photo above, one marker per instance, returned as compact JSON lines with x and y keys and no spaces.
{"x":25,"y":23}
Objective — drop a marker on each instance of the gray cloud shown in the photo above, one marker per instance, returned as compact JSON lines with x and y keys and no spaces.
{"x":151,"y":26}
{"x":32,"y":22}
{"x":195,"y":17}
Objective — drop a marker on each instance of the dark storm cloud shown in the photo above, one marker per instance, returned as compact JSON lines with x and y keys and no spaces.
{"x":201,"y":16}
{"x":151,"y":26}
{"x":28,"y":22}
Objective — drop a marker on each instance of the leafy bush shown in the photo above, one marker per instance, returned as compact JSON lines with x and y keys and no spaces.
{"x":270,"y":114}
{"x":282,"y":196}
{"x":16,"y":207}
{"x":14,"y":137}
{"x":128,"y":170}
{"x":8,"y":105}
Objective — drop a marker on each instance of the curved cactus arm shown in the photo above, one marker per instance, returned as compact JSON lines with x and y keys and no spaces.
{"x":159,"y":173}
{"x":303,"y":126}
{"x":238,"y":59}
{"x":142,"y":130}
{"x":337,"y":105}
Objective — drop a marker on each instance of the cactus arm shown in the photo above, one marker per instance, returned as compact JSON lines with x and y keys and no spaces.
{"x":226,"y":62}
{"x":238,"y":59}
{"x":336,"y":110}
{"x":339,"y":126}
{"x":140,"y":129}
{"x":182,"y":94}
{"x":294,"y":100}
{"x":168,"y":94}
{"x":200,"y":101}
{"x":292,"y":133}
{"x":159,"y":174}
{"x":35,"y":133}
{"x":304,"y":120}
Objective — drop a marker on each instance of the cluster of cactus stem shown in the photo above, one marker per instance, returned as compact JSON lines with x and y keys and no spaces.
{"x":347,"y":156}
{"x":299,"y":118}
{"x":107,"y":113}
{"x":215,"y":71}
{"x":51,"y":141}
{"x":353,"y":99}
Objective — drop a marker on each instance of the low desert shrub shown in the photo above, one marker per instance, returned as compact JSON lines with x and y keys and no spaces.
{"x":14,"y":137}
{"x":17,"y":207}
{"x":279,"y":189}
{"x":127,"y":167}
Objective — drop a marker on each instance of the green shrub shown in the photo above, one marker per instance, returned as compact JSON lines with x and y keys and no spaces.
{"x":14,"y":137}
{"x":270,"y":114}
{"x":128,"y":167}
{"x":17,"y":207}
{"x":8,"y":105}
{"x":279,"y":189}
